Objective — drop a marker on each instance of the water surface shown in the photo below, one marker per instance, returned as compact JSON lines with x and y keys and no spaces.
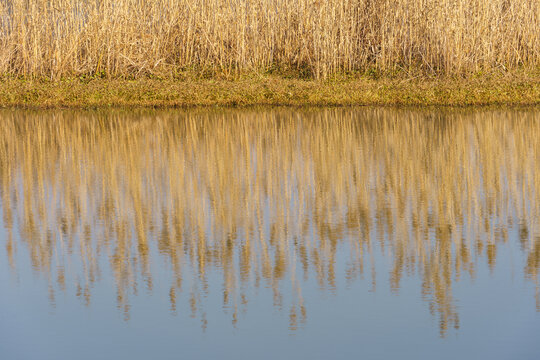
{"x":270,"y":233}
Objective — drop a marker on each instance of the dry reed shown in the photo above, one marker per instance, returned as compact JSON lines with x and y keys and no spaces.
{"x":133,"y":38}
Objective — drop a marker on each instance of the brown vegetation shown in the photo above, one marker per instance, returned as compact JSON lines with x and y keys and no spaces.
{"x":166,"y":38}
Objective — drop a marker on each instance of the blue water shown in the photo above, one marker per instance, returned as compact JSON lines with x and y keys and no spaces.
{"x":338,"y":311}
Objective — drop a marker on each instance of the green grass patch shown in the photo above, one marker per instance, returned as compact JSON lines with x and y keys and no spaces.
{"x":517,"y":88}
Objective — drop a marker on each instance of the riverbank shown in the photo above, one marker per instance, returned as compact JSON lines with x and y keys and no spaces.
{"x":521,"y":88}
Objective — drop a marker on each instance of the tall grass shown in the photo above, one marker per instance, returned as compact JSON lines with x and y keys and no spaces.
{"x":317,"y":38}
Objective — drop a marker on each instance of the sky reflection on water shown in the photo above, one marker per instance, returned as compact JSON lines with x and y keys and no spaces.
{"x":321,"y":233}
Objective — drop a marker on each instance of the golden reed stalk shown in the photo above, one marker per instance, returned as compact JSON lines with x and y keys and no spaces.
{"x":55,"y":38}
{"x":268,"y":198}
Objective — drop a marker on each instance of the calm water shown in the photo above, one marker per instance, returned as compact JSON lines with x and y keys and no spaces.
{"x":270,"y":234}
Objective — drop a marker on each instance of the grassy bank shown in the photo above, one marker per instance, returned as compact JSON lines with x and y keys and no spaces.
{"x":414,"y":52}
{"x":509,"y":89}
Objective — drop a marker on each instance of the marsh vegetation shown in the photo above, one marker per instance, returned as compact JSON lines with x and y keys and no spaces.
{"x":299,"y":38}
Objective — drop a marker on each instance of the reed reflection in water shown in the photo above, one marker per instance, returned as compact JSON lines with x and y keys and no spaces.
{"x":268,"y":198}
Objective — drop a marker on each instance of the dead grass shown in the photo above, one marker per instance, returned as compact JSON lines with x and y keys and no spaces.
{"x":115,"y":38}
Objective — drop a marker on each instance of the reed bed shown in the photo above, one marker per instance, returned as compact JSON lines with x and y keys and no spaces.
{"x":267,"y":200}
{"x":314,"y":38}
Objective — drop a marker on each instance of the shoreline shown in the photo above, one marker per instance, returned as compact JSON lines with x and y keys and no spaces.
{"x":512,"y":89}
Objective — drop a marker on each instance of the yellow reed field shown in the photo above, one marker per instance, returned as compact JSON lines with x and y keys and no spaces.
{"x":134,"y":38}
{"x":267,"y":199}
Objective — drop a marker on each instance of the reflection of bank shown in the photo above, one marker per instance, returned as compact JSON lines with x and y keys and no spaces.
{"x":268,"y":198}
